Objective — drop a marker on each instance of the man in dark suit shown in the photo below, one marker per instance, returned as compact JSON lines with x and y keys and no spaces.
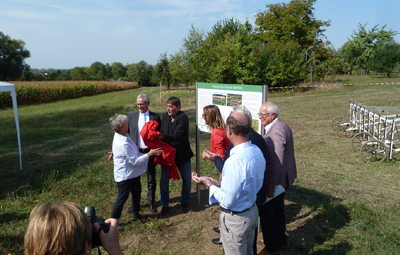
{"x":136,"y":120}
{"x":175,"y":132}
{"x":280,"y":170}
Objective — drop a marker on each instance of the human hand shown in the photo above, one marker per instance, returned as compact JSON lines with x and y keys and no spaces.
{"x":213,"y":181}
{"x":109,"y":240}
{"x":111,"y":157}
{"x":199,"y":180}
{"x":160,"y":137}
{"x":155,"y":152}
{"x":196,"y":178}
{"x":204,"y":155}
{"x":209,"y":154}
{"x":270,"y":194}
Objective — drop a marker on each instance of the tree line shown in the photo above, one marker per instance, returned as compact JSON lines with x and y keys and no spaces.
{"x":286,"y":45}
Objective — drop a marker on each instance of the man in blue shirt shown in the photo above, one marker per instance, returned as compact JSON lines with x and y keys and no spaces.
{"x":242,"y":178}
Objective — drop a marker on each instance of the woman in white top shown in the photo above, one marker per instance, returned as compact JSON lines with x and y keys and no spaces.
{"x":129,"y":164}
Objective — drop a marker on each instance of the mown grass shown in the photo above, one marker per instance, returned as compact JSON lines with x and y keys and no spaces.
{"x":339,"y":205}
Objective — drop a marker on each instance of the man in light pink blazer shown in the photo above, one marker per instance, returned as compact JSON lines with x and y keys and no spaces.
{"x":280,"y":170}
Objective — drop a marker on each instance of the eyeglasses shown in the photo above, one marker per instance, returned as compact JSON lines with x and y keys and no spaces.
{"x":262,"y":115}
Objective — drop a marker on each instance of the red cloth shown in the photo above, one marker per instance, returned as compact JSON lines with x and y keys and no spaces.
{"x":150,"y":135}
{"x":219,"y":142}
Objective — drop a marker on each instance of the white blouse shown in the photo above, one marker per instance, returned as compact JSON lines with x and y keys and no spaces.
{"x":128,"y":161}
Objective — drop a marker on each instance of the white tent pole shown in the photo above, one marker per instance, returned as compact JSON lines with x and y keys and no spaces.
{"x":15,"y":107}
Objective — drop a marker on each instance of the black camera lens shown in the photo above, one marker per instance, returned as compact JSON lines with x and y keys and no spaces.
{"x":99,"y":220}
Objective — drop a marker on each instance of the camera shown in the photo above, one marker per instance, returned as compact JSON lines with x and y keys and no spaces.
{"x":99,"y":220}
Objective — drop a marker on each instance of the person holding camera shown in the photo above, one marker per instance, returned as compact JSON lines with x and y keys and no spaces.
{"x":64,"y":228}
{"x":129,"y":165}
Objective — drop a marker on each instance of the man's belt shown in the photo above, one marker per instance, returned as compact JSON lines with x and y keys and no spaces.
{"x":234,"y":212}
{"x":144,"y":150}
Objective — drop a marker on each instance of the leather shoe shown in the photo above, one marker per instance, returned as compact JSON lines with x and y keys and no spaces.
{"x":216,"y":241}
{"x":216,"y":229}
{"x":164,"y":210}
{"x":139,"y":217}
{"x":185,"y":208}
{"x":153,"y":207}
{"x":266,"y":252}
{"x":283,"y":247}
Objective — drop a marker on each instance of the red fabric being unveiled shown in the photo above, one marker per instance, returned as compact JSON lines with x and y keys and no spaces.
{"x":150,"y":135}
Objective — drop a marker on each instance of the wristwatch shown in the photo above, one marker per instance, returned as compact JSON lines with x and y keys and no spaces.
{"x":209,"y":185}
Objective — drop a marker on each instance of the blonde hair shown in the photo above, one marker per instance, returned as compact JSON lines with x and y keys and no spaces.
{"x":213,"y":117}
{"x":61,"y":228}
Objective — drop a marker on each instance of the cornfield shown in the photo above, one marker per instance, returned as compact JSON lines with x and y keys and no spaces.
{"x":37,"y":92}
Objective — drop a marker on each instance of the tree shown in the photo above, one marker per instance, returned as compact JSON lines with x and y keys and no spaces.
{"x":224,"y":54}
{"x":118,"y":70}
{"x":181,"y":68}
{"x":64,"y":75}
{"x":386,"y":58}
{"x":161,"y":70}
{"x":285,"y":65}
{"x":284,"y":28}
{"x":315,"y":55}
{"x":360,"y":49}
{"x":335,"y":64}
{"x":190,"y":53}
{"x":140,"y":72}
{"x":26,"y":75}
{"x":12,"y":58}
{"x":96,"y":71}
{"x":78,"y":73}
{"x":292,"y":22}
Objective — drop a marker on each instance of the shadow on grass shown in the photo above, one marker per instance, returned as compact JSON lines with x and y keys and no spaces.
{"x":8,"y":217}
{"x":313,"y":219}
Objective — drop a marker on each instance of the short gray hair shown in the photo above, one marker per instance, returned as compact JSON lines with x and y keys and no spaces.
{"x":242,"y":109}
{"x":145,"y":97}
{"x":117,"y":121}
{"x":272,"y":108}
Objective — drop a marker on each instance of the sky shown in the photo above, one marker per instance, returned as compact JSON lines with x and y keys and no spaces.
{"x":66,"y":34}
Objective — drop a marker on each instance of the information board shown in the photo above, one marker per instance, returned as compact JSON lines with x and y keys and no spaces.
{"x":227,"y":96}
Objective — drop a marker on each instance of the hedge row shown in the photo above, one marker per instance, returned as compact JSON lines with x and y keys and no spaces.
{"x":50,"y":91}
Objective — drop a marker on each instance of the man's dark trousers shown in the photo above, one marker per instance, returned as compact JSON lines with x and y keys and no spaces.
{"x":274,"y":223}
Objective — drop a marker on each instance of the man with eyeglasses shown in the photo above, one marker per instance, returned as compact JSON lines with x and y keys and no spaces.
{"x":280,"y":170}
{"x":136,"y":121}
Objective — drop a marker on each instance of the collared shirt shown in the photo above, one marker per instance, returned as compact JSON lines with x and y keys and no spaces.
{"x":141,"y":144}
{"x":242,"y":178}
{"x":269,"y":125}
{"x":128,"y":161}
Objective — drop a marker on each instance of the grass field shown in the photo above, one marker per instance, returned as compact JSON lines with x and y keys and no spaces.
{"x":338,"y":205}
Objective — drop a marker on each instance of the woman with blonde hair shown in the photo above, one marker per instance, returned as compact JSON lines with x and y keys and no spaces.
{"x":64,"y":228}
{"x":219,"y":140}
